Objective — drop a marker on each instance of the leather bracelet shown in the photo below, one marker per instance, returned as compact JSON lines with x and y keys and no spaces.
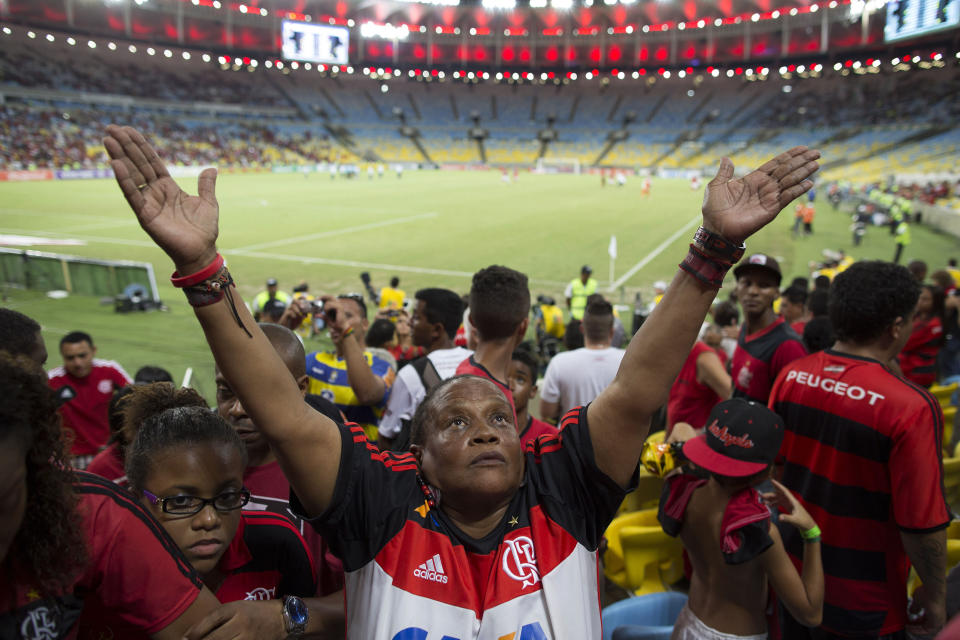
{"x":210,"y":290}
{"x":718,"y":246}
{"x":192,"y":279}
{"x":707,"y":269}
{"x":214,"y":289}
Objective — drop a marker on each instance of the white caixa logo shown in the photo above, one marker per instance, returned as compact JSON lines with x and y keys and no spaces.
{"x":520,"y":561}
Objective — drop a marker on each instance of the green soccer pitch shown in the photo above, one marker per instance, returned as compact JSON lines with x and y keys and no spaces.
{"x":428,"y":228}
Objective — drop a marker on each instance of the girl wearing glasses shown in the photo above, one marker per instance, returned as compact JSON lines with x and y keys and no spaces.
{"x":186,"y":465}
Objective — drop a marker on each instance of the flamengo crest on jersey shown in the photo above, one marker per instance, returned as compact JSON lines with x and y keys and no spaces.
{"x":411,"y":574}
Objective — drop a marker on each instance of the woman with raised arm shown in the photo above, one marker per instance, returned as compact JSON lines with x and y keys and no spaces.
{"x":466,"y":536}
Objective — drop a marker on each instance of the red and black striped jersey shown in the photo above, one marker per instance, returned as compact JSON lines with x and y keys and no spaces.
{"x":411,"y":573}
{"x":759,"y":358}
{"x":862,"y":451}
{"x":134,"y":569}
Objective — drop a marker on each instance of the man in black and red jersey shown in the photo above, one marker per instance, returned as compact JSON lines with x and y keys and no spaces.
{"x":767,"y":343}
{"x":499,"y":314}
{"x":863,"y":453}
{"x":467,"y":536}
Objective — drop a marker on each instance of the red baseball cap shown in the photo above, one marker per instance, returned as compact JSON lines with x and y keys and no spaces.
{"x":741,"y":438}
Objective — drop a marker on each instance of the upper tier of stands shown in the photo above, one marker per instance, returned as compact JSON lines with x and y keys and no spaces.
{"x":59,"y":97}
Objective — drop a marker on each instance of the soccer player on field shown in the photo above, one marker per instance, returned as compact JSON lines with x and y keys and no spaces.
{"x":467,"y":536}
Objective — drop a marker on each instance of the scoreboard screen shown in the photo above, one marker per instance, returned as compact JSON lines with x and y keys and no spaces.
{"x":912,"y":18}
{"x":315,"y":42}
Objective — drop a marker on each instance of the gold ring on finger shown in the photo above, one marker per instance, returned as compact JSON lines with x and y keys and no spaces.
{"x":141,"y":187}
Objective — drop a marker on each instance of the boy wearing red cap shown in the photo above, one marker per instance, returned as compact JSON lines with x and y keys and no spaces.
{"x":725,"y":526}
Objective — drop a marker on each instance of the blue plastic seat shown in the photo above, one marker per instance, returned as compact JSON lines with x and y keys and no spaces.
{"x":650,"y":615}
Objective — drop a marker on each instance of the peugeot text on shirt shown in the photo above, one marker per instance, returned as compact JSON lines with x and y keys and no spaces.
{"x":830,"y":385}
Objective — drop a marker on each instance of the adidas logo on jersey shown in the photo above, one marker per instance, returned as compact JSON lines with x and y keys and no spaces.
{"x":432,"y":570}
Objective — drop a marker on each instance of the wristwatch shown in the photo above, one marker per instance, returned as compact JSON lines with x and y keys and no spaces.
{"x":295,"y":616}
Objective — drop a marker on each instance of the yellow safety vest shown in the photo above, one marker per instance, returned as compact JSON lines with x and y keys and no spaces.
{"x":579,"y":294}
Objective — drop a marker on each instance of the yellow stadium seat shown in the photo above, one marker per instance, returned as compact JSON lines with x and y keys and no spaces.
{"x":943,"y":393}
{"x":648,"y":554}
{"x":645,"y":496}
{"x":951,"y":479}
{"x":613,"y":563}
{"x":949,"y":418}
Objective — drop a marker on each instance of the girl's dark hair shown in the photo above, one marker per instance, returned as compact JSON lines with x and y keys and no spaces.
{"x":50,"y":545}
{"x":146,"y":400}
{"x":176,"y":427}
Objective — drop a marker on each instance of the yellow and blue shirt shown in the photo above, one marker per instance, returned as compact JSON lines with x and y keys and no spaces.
{"x":328,"y":378}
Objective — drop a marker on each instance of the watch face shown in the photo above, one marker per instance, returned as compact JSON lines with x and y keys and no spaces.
{"x":296,"y":610}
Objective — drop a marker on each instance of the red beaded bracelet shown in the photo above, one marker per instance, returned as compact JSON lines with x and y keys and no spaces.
{"x":706,"y":269}
{"x":200,"y":276}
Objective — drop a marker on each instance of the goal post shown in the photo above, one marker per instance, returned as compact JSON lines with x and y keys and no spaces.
{"x":557,"y":165}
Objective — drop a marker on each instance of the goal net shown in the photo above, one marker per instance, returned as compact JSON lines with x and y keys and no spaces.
{"x":557,"y":165}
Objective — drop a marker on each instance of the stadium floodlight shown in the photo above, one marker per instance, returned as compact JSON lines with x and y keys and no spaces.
{"x":167,"y":53}
{"x":801,"y":69}
{"x":787,"y":88}
{"x":151,"y":51}
{"x":499,"y":4}
{"x":609,"y":2}
{"x":715,"y":73}
{"x":646,"y":28}
{"x":700,"y":24}
{"x":783,"y":70}
{"x":681,"y":74}
{"x":196,"y":3}
{"x":7,"y":31}
{"x":691,"y":93}
{"x":729,"y":73}
{"x":635,"y":75}
{"x":205,"y":57}
{"x":91,"y":44}
{"x":895,"y":61}
{"x":755,"y":17}
{"x":814,"y":7}
{"x":50,"y":37}
{"x":718,"y":22}
{"x":681,"y":26}
{"x":538,"y":4}
{"x":818,"y":68}
{"x":837,"y":66}
{"x":384,"y":88}
{"x":216,"y":4}
{"x":112,"y":46}
{"x":916,"y":59}
{"x":775,"y":14}
{"x":243,"y":8}
{"x":588,"y":3}
{"x":31,"y":35}
{"x":630,"y":27}
{"x":588,"y":75}
{"x":666,"y":74}
{"x":185,"y":55}
{"x":263,"y":12}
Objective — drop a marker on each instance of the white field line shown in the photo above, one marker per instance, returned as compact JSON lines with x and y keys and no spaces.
{"x":334,"y":232}
{"x":95,"y":239}
{"x":367,"y":265}
{"x":653,"y":254}
{"x":59,"y":214}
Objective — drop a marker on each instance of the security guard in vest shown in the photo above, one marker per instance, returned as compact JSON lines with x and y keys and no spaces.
{"x":578,"y":290}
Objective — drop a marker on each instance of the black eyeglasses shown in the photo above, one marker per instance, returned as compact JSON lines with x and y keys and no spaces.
{"x":183,"y":505}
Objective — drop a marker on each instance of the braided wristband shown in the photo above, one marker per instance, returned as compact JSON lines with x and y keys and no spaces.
{"x":706,"y":269}
{"x":199,"y":277}
{"x":718,"y":246}
{"x":213,"y":290}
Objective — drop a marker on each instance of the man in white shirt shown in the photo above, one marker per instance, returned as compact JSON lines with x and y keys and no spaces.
{"x":434,"y":324}
{"x":576,"y":377}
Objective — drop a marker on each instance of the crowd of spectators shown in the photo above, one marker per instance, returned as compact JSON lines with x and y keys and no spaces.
{"x":404,"y":477}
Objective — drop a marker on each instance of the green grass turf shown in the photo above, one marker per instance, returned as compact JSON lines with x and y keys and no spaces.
{"x":448,"y":224}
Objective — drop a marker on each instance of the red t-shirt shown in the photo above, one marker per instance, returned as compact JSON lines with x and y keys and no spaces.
{"x":270,"y":491}
{"x":473,"y":368}
{"x":134,"y":569}
{"x":534,"y":429}
{"x":266,"y":560}
{"x":918,"y":358}
{"x":862,"y":452}
{"x":109,"y":464}
{"x":691,"y":400}
{"x":759,"y":357}
{"x":799,"y":326}
{"x":84,"y":402}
